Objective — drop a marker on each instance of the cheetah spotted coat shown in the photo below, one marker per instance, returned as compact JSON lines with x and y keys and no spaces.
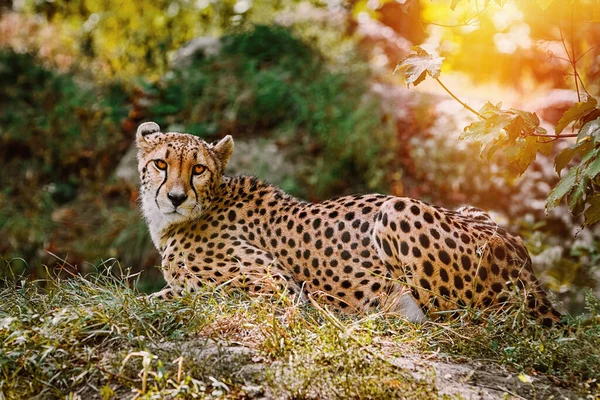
{"x":357,"y":253}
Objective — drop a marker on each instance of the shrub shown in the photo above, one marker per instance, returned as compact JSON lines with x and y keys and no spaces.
{"x":57,"y":135}
{"x":265,"y":81}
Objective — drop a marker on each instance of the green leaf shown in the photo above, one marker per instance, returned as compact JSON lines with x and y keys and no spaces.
{"x":563,"y":158}
{"x":591,"y":116}
{"x":488,"y":132}
{"x":592,"y":167}
{"x":576,"y":112}
{"x":591,"y":129}
{"x":531,"y":120}
{"x":513,"y":131}
{"x":524,"y":151}
{"x":564,"y":186}
{"x":592,"y":213}
{"x":418,"y":65}
{"x":576,"y":198}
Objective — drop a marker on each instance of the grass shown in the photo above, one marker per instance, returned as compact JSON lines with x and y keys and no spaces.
{"x":96,"y":337}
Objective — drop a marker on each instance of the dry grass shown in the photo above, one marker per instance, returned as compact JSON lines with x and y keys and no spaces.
{"x":96,"y":337}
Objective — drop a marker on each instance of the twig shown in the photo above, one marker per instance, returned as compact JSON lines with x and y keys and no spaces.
{"x":571,"y":57}
{"x":573,"y":62}
{"x":584,"y":53}
{"x":569,"y":135}
{"x":465,"y":105}
{"x":466,"y":23}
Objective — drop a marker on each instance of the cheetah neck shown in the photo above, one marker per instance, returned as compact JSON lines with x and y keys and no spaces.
{"x":262,"y":206}
{"x":249,"y":192}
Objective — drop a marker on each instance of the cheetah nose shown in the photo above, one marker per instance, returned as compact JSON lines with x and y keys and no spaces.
{"x":176,"y":198}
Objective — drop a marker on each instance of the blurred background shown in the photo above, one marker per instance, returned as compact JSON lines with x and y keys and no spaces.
{"x":307,"y":90}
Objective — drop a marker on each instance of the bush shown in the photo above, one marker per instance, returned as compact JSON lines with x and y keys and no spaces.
{"x":266,"y":81}
{"x":67,"y":131}
{"x":57,"y":134}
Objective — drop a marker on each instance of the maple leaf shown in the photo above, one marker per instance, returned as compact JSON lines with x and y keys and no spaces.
{"x":576,"y":185}
{"x":588,"y":136}
{"x":591,"y":129}
{"x":592,"y":213}
{"x":418,"y":65}
{"x":575,"y":113}
{"x":515,"y":132}
{"x":566,"y":155}
{"x":576,"y":197}
{"x":563,"y":187}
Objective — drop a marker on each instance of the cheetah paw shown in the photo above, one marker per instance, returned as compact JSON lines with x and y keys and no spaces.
{"x":165,"y":294}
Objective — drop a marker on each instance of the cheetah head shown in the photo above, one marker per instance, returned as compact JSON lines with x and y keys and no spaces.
{"x":179,"y":174}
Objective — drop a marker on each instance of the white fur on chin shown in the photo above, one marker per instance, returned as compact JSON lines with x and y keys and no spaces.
{"x":158,"y":221}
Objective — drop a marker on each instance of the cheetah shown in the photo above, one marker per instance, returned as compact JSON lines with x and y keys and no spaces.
{"x":356,"y":253}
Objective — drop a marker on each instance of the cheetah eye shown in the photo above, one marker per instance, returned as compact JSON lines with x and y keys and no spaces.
{"x":160,"y":164}
{"x":198,"y":169}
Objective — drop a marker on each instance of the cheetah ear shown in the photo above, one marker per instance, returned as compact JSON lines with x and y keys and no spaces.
{"x":223,"y":150}
{"x":146,"y":134}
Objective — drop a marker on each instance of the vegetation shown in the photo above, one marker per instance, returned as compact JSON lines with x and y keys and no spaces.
{"x":56,"y":125}
{"x":96,"y":337}
{"x":266,"y":81}
{"x":68,"y":134}
{"x":59,"y":137}
{"x":155,"y":29}
{"x":518,"y":135}
{"x":315,"y":79}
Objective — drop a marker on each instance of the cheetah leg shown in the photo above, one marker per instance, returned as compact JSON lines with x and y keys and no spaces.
{"x":240,"y":266}
{"x":260,"y":273}
{"x":400,"y":299}
{"x":407,"y":306}
{"x":165,"y":294}
{"x":401,"y":302}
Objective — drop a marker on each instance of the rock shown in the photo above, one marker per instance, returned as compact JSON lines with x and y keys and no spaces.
{"x":261,"y":157}
{"x":127,"y":167}
{"x":200,"y":47}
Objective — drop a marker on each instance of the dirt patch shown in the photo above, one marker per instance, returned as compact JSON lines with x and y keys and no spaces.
{"x":469,"y":379}
{"x":476,"y":380}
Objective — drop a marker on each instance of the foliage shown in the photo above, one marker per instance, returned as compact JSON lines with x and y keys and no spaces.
{"x":63,"y":135}
{"x":519,"y":135}
{"x":56,"y":123}
{"x":419,"y":65}
{"x":579,"y":186}
{"x":57,"y":134}
{"x":94,"y":336}
{"x":266,"y":80}
{"x":138,"y":38}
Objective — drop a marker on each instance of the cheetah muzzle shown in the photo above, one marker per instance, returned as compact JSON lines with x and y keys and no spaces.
{"x":357,"y":253}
